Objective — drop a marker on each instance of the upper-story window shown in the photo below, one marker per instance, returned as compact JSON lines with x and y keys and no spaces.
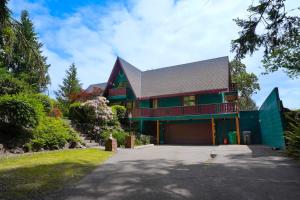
{"x":130,"y":105}
{"x":189,"y":100}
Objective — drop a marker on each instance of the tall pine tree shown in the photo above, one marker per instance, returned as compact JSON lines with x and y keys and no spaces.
{"x":70,"y":86}
{"x":28,"y":63}
{"x":7,"y":34}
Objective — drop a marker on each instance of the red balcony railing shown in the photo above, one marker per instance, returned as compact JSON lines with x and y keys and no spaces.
{"x":186,"y":110}
{"x":117,"y":92}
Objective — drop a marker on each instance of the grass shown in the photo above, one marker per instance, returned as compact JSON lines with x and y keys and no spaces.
{"x":32,"y":176}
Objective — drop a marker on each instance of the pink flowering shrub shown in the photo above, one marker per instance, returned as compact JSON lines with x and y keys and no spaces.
{"x":93,"y":116}
{"x":103,"y":112}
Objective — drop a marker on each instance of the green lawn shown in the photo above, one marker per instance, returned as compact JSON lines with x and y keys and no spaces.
{"x":32,"y":176}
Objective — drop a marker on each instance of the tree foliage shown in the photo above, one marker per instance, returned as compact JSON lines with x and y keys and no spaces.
{"x":11,"y":85}
{"x":280,"y":36}
{"x":70,"y":86}
{"x":29,"y":63}
{"x":247,"y":84}
{"x":20,"y":50}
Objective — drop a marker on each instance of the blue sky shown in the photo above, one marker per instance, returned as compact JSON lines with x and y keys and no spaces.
{"x":147,"y":33}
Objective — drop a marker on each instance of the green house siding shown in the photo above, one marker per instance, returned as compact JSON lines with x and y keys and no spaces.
{"x":271,"y":125}
{"x":130,"y":94}
{"x":121,"y":78}
{"x":144,"y":104}
{"x":209,"y":98}
{"x":119,"y":82}
{"x":169,"y":102}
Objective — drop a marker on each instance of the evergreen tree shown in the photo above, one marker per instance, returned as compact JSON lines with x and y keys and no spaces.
{"x":70,"y":86}
{"x":276,"y":30}
{"x":7,"y":34}
{"x":247,"y":84}
{"x":28,"y":62}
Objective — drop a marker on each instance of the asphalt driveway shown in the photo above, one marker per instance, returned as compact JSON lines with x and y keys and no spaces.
{"x":188,"y":172}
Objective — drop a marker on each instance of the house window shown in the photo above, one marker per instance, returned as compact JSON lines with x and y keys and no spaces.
{"x":189,"y":101}
{"x":154,"y":103}
{"x":130,"y":105}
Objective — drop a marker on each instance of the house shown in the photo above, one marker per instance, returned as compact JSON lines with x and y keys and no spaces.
{"x":193,"y":103}
{"x":99,"y":88}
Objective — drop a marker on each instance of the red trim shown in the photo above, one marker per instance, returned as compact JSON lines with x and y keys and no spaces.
{"x":105,"y":92}
{"x":185,"y":94}
{"x":116,"y":91}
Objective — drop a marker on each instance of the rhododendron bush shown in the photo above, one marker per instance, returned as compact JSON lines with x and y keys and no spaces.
{"x":93,"y":116}
{"x":103,"y":113}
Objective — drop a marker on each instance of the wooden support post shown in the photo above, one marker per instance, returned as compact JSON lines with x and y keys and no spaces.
{"x":237,"y":124}
{"x":213,"y":131}
{"x":157,"y":132}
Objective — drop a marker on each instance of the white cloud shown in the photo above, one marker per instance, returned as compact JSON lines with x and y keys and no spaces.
{"x":149,"y":34}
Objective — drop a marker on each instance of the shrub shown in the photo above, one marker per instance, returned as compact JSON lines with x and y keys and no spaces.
{"x":45,"y":101}
{"x":35,"y":144}
{"x":55,"y":112}
{"x":142,"y":139}
{"x":10,"y":85}
{"x":80,"y":113}
{"x":92,"y":116}
{"x":119,"y":111}
{"x":18,"y":112}
{"x":27,"y":147}
{"x":118,"y":134}
{"x":293,"y":141}
{"x":292,"y":133}
{"x":102,"y":113}
{"x":53,"y":133}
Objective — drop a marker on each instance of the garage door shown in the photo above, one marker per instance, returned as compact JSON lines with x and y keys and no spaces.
{"x":194,"y":134}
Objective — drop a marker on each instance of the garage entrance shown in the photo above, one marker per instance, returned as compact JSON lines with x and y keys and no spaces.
{"x":188,"y":133}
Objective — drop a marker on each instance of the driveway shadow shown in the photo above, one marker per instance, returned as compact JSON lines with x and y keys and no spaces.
{"x":171,"y":179}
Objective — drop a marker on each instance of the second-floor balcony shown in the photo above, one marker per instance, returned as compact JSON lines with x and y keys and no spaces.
{"x":117,"y":93}
{"x":203,"y":109}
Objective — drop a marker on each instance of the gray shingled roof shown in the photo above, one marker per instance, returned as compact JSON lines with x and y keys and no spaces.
{"x":134,"y":76}
{"x":98,"y":85}
{"x":209,"y":74}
